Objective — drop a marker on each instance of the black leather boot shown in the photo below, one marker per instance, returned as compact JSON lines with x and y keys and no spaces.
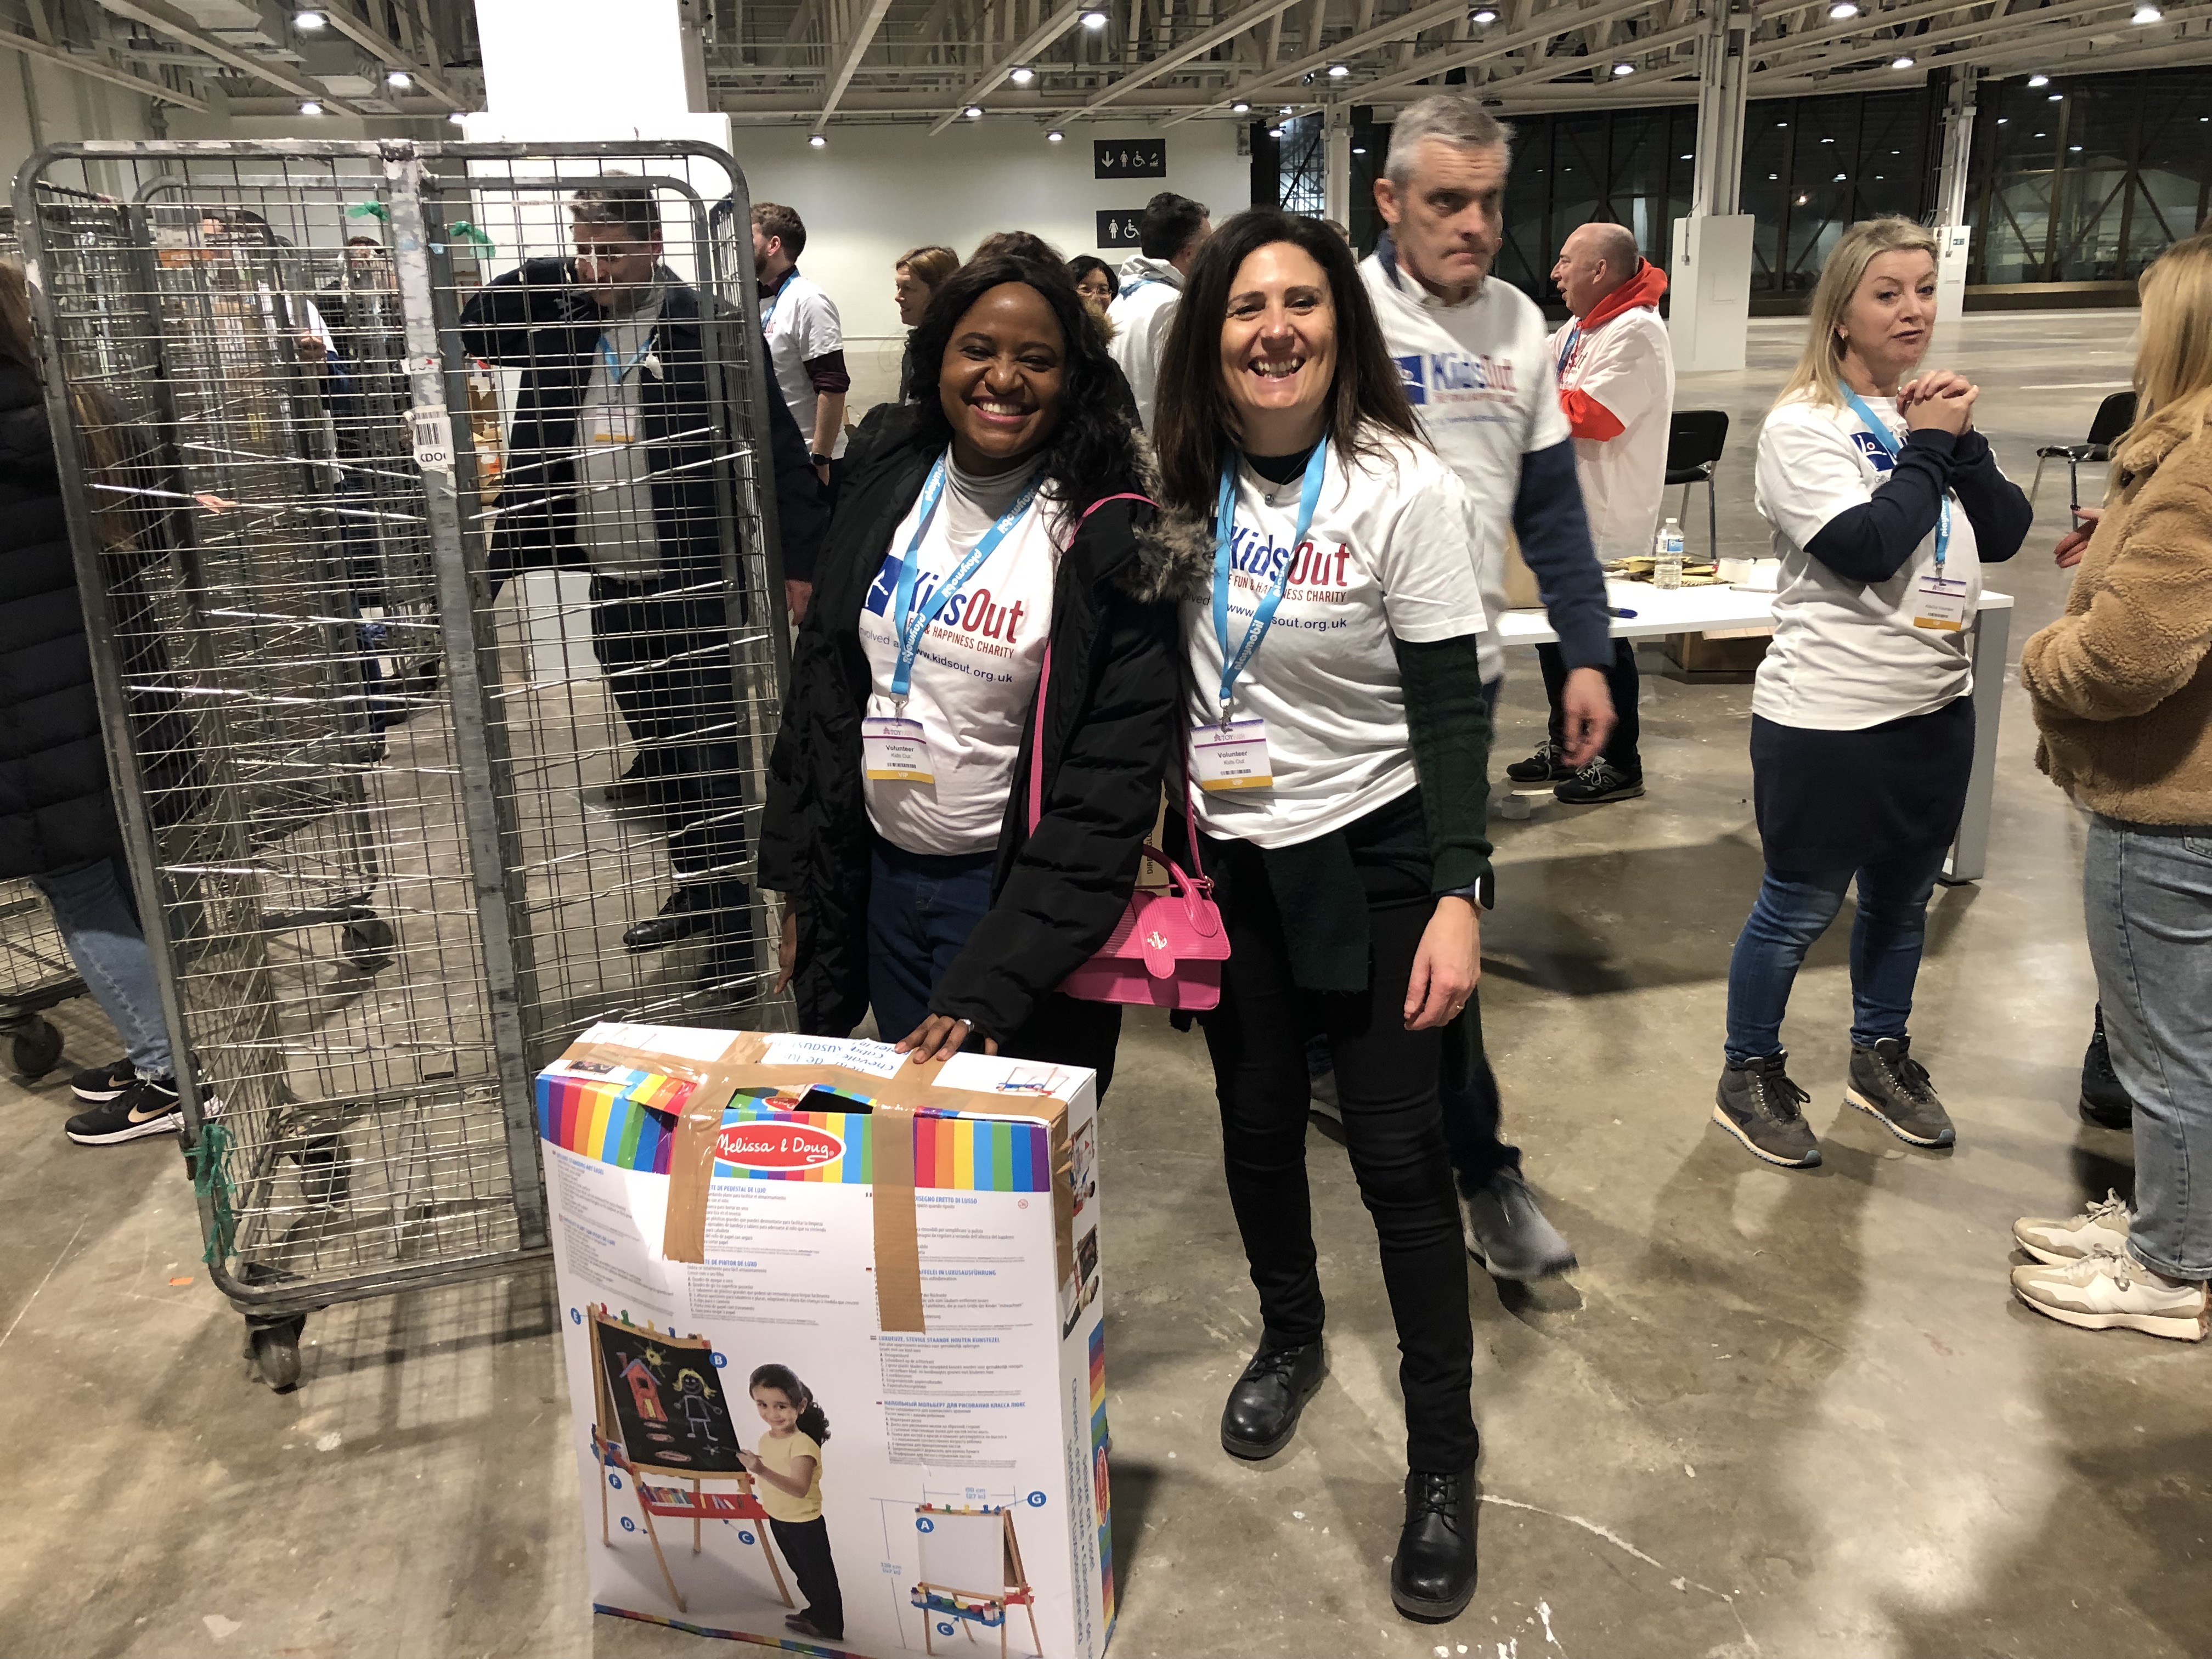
{"x":1432,"y":1575}
{"x":1262,"y":1413}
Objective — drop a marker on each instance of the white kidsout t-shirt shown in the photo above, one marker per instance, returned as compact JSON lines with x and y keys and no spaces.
{"x":1846,"y":655}
{"x":1386,"y":554}
{"x":1142,"y":314}
{"x":1479,"y":376}
{"x":1626,"y":364}
{"x":800,"y":322}
{"x":976,"y":673}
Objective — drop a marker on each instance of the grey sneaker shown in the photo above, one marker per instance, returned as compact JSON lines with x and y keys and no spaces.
{"x":1758,"y":1104}
{"x":1887,"y":1082}
{"x":2102,"y":1226}
{"x":1597,"y":783}
{"x":1508,"y":1234}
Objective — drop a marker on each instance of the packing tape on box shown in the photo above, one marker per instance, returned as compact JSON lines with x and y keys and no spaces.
{"x":895,"y":1100}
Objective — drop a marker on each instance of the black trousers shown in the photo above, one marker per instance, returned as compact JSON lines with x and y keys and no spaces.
{"x":666,"y":656}
{"x":805,"y":1545}
{"x":1621,"y":680}
{"x":1386,"y":1085}
{"x":1472,"y":1118}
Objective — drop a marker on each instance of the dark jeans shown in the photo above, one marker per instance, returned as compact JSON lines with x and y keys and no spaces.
{"x":1386,"y":1086}
{"x":805,"y":1545}
{"x":1621,"y":680}
{"x":1794,"y":907}
{"x":1473,"y":1115}
{"x":666,"y":656}
{"x":921,"y":909}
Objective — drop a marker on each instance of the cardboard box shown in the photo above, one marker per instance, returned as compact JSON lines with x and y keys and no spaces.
{"x":1730,"y":657}
{"x":914,"y":1250}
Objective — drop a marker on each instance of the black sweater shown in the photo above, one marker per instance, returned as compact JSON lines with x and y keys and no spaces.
{"x":1875,"y":540}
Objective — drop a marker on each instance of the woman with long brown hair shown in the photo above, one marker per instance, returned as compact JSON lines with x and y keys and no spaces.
{"x":59,"y":828}
{"x":1338,"y":739}
{"x":2122,"y":689}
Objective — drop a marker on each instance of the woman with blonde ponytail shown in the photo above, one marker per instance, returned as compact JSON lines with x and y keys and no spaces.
{"x":2122,"y":689}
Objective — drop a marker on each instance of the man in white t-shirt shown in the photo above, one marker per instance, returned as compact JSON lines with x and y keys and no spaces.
{"x":1169,"y":234}
{"x":1474,"y":358}
{"x":806,"y":341}
{"x":1616,"y":374}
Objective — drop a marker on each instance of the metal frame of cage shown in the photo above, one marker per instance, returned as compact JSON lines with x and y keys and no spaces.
{"x":378,"y":905}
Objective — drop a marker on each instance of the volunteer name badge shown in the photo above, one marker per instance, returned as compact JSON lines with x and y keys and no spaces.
{"x":895,"y":750}
{"x":1234,"y":756}
{"x":614,"y":425}
{"x":1939,"y":602}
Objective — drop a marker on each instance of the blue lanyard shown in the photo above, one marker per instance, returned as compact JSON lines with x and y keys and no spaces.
{"x":1567,"y":351}
{"x":617,"y":370}
{"x":1874,"y":424}
{"x":913,"y":624}
{"x":1224,"y":531}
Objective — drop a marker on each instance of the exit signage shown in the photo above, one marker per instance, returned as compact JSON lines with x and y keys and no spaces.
{"x":1129,"y":158}
{"x":1117,"y":226}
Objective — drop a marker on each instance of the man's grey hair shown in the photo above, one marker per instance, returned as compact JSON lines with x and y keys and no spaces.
{"x":631,"y":206}
{"x":1451,"y":118}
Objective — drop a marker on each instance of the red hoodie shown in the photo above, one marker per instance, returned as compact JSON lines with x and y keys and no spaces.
{"x":1586,"y":417}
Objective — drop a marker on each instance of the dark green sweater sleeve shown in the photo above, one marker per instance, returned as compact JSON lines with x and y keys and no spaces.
{"x":1449,"y":725}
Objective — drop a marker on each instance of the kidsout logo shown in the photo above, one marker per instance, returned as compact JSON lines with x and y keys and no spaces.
{"x":1454,"y":377}
{"x":776,"y":1147}
{"x":1870,"y":447}
{"x":977,"y":614}
{"x":1313,"y":568}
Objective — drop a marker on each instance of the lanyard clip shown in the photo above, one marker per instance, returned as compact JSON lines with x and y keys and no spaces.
{"x":1225,"y":717}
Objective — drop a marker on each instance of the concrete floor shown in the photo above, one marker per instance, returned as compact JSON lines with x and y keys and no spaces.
{"x":1775,"y":1413}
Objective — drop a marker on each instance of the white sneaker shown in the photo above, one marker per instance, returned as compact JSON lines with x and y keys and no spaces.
{"x":2102,"y":1225}
{"x":2109,"y":1291}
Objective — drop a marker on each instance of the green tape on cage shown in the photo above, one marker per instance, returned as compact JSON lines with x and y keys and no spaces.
{"x":212,"y":1187}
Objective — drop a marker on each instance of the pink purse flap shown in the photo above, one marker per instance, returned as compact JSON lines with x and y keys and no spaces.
{"x":1183,"y":925}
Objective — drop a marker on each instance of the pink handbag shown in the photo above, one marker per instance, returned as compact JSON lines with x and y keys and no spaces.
{"x":1167,"y":950}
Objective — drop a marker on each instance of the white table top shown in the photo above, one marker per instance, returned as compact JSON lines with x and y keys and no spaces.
{"x":1680,"y":611}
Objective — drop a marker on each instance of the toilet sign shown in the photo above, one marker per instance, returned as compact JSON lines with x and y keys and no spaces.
{"x":1129,"y":158}
{"x":1117,"y":226}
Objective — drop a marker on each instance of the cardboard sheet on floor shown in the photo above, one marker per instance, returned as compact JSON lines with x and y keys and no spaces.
{"x":916,"y":1247}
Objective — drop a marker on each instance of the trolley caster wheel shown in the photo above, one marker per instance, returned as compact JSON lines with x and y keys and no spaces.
{"x":37,"y":1047}
{"x":275,"y":1349}
{"x":367,"y":943}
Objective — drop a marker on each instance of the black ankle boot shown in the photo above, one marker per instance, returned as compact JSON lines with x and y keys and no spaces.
{"x":1432,"y":1575}
{"x":1262,"y":1413}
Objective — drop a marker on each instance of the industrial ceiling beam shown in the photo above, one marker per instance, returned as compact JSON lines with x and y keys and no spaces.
{"x":1197,"y":46}
{"x":863,"y":36}
{"x":1916,"y":43}
{"x":166,"y":19}
{"x":388,"y":53}
{"x":2038,"y":38}
{"x":1553,"y":26}
{"x":1030,"y":49}
{"x":99,"y":71}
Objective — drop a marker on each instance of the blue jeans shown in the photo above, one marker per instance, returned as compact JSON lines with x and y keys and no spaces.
{"x":921,"y":908}
{"x":1794,"y":907}
{"x":99,"y":924}
{"x":2146,"y":894}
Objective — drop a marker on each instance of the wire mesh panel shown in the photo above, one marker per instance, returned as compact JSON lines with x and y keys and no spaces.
{"x":437,"y":624}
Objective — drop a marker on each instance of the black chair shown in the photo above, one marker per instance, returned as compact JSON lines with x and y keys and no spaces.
{"x":1694,"y":442}
{"x":2114,"y":415}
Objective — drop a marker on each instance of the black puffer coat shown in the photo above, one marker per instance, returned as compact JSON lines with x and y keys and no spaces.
{"x":1110,"y":726}
{"x":56,"y":809}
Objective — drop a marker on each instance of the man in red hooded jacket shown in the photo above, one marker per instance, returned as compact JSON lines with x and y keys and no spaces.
{"x":1616,"y":375}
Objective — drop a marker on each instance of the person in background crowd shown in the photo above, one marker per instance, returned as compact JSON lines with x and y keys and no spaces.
{"x":610,"y":464}
{"x":805,"y":342}
{"x":926,"y":874}
{"x":1348,"y":886}
{"x":2122,"y":689}
{"x":1474,"y":358}
{"x":1616,"y":374}
{"x":1341,"y":230}
{"x":919,"y":273}
{"x":1886,"y":503}
{"x":1016,"y":245}
{"x":1169,"y":233}
{"x":1094,"y":285}
{"x":58,"y":826}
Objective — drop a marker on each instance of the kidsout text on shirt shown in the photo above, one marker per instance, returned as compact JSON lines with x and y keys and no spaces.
{"x":1255,"y":559}
{"x":973,"y":614}
{"x":1442,"y":378}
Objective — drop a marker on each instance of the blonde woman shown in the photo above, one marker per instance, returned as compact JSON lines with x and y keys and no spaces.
{"x":917,"y":276}
{"x":2122,"y":689}
{"x":1884,"y":503}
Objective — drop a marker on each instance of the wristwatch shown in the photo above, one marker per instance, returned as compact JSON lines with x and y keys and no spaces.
{"x":820,"y":460}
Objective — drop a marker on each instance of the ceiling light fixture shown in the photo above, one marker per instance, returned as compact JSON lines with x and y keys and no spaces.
{"x":817,"y":140}
{"x":1482,"y":16}
{"x":1901,"y":61}
{"x":1275,"y":132}
{"x":1624,"y":68}
{"x":1021,"y":75}
{"x":455,"y":116}
{"x":309,"y":21}
{"x":1359,"y":149}
{"x":1338,"y":71}
{"x":309,"y":106}
{"x":1286,"y":109}
{"x":2038,"y":82}
{"x":1094,"y":20}
{"x":2147,"y":15}
{"x":2056,"y":97}
{"x":1239,"y":108}
{"x":974,"y":112}
{"x":1842,"y":9}
{"x":1055,"y":137}
{"x":399,"y":80}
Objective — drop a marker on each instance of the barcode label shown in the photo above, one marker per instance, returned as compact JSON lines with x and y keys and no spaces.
{"x":434,"y":439}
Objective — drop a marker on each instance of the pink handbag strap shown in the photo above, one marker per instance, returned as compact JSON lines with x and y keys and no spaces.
{"x":1036,"y":734}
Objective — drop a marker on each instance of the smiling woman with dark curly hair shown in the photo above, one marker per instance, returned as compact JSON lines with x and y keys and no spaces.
{"x":979,"y":562}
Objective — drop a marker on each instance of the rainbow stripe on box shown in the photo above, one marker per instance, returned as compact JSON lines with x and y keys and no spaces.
{"x":621,"y":1115}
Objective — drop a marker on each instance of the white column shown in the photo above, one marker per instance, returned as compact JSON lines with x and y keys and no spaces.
{"x":1953,"y":238}
{"x":1710,"y":286}
{"x":1336,"y":165}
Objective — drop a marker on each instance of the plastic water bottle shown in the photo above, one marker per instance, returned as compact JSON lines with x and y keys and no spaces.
{"x":1667,"y":550}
